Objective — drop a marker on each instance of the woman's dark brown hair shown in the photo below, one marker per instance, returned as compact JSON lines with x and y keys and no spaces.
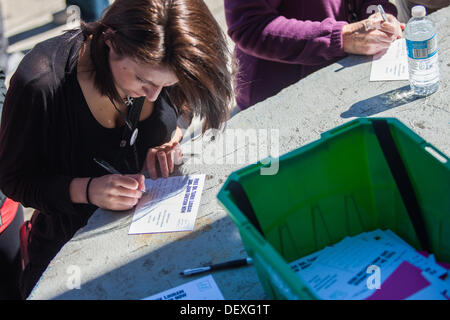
{"x":181,"y":34}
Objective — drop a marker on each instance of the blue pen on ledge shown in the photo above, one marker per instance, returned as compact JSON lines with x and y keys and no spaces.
{"x":219,"y":266}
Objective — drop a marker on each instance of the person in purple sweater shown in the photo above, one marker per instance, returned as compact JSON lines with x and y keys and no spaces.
{"x":279,"y":42}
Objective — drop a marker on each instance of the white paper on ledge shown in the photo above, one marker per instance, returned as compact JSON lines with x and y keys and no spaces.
{"x":204,"y":288}
{"x":392,"y":65}
{"x":170,"y":205}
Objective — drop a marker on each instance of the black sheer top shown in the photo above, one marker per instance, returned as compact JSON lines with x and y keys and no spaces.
{"x":48,"y":136}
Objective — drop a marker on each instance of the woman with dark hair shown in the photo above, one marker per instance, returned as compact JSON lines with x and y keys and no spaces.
{"x":111,"y":91}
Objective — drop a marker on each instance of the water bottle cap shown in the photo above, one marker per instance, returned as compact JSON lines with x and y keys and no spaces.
{"x":418,"y":11}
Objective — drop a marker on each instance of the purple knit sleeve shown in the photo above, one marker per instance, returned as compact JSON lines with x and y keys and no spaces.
{"x":259,"y":30}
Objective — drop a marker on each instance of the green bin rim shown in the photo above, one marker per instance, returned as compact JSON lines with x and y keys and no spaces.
{"x":223,"y":194}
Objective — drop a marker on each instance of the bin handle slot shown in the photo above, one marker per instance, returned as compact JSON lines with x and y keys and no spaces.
{"x":435,"y":153}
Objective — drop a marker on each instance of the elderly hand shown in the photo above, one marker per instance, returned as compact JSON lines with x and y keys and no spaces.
{"x":166,"y":156}
{"x":392,"y":26}
{"x":372,"y":35}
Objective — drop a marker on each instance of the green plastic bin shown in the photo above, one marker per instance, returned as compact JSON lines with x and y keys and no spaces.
{"x":337,"y":186}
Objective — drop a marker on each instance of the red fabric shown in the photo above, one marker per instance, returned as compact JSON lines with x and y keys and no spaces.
{"x":8,"y":213}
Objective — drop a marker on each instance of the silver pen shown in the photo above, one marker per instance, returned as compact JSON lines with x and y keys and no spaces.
{"x":383,"y":14}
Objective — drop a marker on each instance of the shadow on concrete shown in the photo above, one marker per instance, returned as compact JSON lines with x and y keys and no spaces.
{"x":159,"y":270}
{"x":59,"y":18}
{"x":352,"y":60}
{"x":57,"y":21}
{"x":381,"y":102}
{"x":32,"y":32}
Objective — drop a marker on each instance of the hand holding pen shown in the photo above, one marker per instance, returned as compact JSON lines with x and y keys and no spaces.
{"x":115,"y":191}
{"x":372,"y":35}
{"x":390,"y":24}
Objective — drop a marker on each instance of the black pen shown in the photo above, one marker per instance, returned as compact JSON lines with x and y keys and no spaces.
{"x":219,"y":266}
{"x":105,"y":165}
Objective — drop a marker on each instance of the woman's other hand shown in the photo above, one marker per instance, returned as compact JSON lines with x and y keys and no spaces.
{"x":165,"y":157}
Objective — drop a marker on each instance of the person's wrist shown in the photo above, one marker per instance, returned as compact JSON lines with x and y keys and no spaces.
{"x":346,"y":38}
{"x":77,"y":190}
{"x":88,"y":200}
{"x":336,"y":39}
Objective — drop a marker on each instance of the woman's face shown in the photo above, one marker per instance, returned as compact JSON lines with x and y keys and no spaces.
{"x":136,"y":80}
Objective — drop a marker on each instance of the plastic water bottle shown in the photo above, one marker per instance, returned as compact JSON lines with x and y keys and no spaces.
{"x":421,"y":43}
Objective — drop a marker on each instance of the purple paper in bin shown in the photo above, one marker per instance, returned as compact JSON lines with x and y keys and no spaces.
{"x":402,"y":283}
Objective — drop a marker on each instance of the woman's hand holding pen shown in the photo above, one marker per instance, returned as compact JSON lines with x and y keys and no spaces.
{"x":116,"y":191}
{"x":112,"y":192}
{"x":372,"y":35}
{"x":120,"y":192}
